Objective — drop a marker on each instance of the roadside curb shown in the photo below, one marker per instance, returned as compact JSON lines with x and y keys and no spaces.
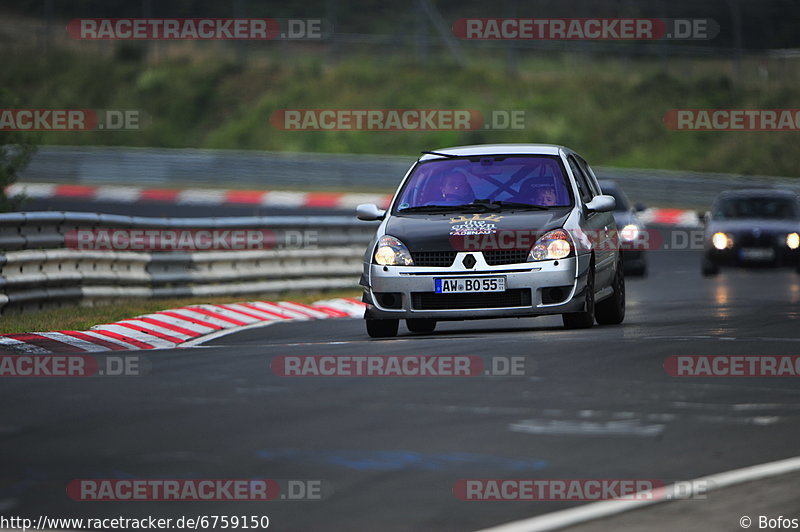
{"x":198,"y":196}
{"x":264,"y":198}
{"x":174,"y":327}
{"x":676,"y":217}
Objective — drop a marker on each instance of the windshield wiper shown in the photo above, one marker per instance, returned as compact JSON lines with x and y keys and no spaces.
{"x":518,"y":205}
{"x":440,"y":154}
{"x":448,"y":208}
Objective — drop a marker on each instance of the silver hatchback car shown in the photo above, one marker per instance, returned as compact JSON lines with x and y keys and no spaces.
{"x":493,"y":231}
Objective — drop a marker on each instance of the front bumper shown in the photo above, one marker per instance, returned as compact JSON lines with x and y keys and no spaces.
{"x":781,"y":256}
{"x":634,"y":259}
{"x":530,"y":290}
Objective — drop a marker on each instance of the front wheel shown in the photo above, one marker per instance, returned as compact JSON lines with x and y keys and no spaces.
{"x":584,"y":319}
{"x":382,"y":328}
{"x":709,"y":268}
{"x":611,"y":311}
{"x":419,"y":325}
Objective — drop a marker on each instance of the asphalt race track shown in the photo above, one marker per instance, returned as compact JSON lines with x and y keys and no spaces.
{"x":595,"y":404}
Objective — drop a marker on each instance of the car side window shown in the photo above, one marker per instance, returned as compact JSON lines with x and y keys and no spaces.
{"x":589,"y":173}
{"x":580,"y":178}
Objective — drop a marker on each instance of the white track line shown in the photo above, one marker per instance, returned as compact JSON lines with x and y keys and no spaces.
{"x":597,"y":510}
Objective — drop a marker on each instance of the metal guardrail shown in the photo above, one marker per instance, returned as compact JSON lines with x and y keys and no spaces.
{"x":304,"y":171}
{"x":47,"y":229}
{"x":38,"y":271}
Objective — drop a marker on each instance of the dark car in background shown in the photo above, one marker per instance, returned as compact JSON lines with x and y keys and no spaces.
{"x":752,"y":227}
{"x":630,"y":227}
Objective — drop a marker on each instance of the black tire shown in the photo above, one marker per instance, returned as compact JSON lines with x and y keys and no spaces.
{"x":709,"y":268}
{"x":419,"y":325}
{"x":638,"y":271}
{"x":382,"y":328}
{"x":584,"y":319}
{"x":611,"y":311}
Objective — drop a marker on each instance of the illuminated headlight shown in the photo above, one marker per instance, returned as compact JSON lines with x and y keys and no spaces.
{"x":553,"y":245}
{"x":722,"y":241}
{"x":391,"y":252}
{"x":793,"y":240}
{"x":630,"y":232}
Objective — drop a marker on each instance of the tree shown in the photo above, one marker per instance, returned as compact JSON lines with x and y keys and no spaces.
{"x":16,"y":149}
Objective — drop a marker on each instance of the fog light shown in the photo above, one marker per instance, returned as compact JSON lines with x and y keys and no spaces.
{"x":793,"y":240}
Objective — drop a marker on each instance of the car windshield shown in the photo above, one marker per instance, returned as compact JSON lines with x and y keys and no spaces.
{"x":757,"y":207}
{"x":512,"y":182}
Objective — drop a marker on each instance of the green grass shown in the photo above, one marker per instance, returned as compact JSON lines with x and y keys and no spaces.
{"x":609,"y":111}
{"x":72,"y":319}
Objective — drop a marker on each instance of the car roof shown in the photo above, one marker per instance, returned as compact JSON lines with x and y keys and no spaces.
{"x":497,"y":149}
{"x":758,"y":192}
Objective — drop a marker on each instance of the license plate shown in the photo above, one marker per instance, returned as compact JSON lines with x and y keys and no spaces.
{"x":757,"y":254}
{"x":460,"y":285}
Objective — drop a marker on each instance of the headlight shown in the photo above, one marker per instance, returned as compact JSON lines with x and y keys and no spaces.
{"x":629,"y":233}
{"x":552,"y":245}
{"x":793,"y":240}
{"x":391,"y":252}
{"x":722,"y":241}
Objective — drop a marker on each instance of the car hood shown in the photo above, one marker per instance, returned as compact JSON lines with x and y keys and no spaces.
{"x":435,"y":232}
{"x":745,"y":225}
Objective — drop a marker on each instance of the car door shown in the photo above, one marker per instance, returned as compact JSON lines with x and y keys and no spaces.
{"x":599,"y":225}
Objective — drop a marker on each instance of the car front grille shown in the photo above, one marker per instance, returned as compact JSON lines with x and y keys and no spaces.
{"x":518,"y":297}
{"x":505,"y":256}
{"x":749,"y":240}
{"x":442,"y":259}
{"x":445,"y":259}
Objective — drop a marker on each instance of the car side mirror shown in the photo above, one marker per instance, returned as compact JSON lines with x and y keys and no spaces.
{"x":703,"y":216}
{"x":369,"y":212}
{"x":640,"y":207}
{"x":602,"y":203}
